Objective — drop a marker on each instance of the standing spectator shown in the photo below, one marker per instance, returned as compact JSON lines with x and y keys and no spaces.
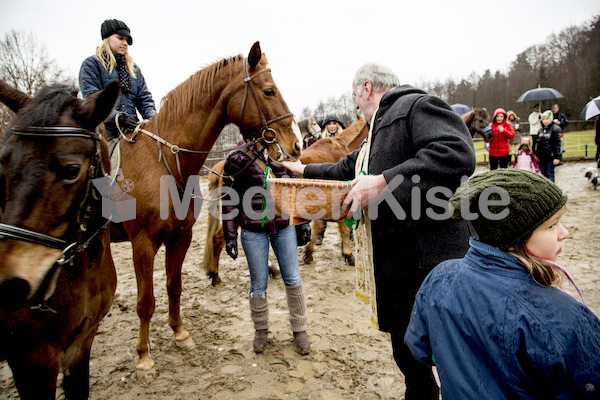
{"x":515,"y":142}
{"x":112,"y":61}
{"x":525,"y":159}
{"x":548,"y":147}
{"x":496,"y":323}
{"x":251,"y":169}
{"x":535,"y":124}
{"x":561,"y":121}
{"x":503,"y":132}
{"x":332,"y":125}
{"x":416,"y":145}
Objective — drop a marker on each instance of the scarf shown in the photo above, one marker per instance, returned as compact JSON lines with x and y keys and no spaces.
{"x":124,"y":77}
{"x":365,"y":273}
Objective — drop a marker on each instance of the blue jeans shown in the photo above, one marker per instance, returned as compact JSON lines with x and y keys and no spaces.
{"x":547,"y":168}
{"x":256,"y":247}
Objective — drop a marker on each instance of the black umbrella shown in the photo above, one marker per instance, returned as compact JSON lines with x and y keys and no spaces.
{"x":539,"y":93}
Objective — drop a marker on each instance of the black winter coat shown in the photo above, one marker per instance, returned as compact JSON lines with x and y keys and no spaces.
{"x":415,"y":134}
{"x":247,"y":175}
{"x":548,"y":143}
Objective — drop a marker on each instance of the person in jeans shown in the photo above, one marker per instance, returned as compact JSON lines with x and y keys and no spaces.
{"x":248,"y":169}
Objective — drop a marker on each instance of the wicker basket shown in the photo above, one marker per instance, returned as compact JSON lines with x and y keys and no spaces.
{"x":308,"y":199}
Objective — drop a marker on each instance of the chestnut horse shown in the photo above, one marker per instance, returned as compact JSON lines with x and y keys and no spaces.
{"x":56,"y":271}
{"x":235,"y":90}
{"x":331,"y":150}
{"x":323,"y":150}
{"x":476,"y":120}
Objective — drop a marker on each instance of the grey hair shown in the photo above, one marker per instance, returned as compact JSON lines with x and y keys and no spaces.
{"x":382,"y":78}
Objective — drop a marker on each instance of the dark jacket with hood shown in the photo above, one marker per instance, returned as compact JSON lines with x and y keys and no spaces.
{"x":248,"y":175}
{"x":548,"y":143}
{"x":424,"y":149}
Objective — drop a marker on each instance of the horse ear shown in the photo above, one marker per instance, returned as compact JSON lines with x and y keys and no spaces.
{"x":254,"y":55}
{"x":98,"y":106}
{"x":13,"y":98}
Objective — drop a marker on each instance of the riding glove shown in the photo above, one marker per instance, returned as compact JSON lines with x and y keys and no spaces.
{"x":303,"y":234}
{"x":127,"y":122}
{"x":231,"y":248}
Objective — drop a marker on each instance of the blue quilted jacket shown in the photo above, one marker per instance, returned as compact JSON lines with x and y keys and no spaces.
{"x":494,"y":333}
{"x":93,"y":77}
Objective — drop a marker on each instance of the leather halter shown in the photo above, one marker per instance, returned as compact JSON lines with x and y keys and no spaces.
{"x":69,"y":250}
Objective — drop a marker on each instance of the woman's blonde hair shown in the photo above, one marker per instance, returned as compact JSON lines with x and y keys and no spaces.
{"x":106,"y":57}
{"x":325,"y":132}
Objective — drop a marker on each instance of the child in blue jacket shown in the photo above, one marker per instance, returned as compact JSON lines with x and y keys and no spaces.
{"x":496,"y":323}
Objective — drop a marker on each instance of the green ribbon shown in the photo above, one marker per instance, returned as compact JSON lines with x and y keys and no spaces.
{"x":264,"y":199}
{"x":351,"y":221}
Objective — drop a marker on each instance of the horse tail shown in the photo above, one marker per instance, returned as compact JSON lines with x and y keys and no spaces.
{"x":210,"y":261}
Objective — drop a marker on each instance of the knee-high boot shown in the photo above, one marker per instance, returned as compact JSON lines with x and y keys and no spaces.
{"x":297,"y":308}
{"x":259,"y":311}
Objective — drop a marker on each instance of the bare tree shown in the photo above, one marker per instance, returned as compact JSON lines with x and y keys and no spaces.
{"x":25,"y":64}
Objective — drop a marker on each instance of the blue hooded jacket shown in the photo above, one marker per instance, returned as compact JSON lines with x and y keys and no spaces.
{"x":494,"y":333}
{"x":93,"y":78}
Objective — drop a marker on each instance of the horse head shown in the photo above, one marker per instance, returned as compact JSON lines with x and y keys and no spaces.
{"x":479,"y":119}
{"x":258,"y":109}
{"x":50,"y":152}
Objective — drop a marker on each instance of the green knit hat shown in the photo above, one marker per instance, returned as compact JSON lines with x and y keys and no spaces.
{"x":532,"y":200}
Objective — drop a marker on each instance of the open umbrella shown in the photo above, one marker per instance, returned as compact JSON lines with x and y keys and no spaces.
{"x":460,"y":109}
{"x":591,"y":109}
{"x":539,"y":93}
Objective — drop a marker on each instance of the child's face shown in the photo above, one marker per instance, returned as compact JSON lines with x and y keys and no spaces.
{"x":525,"y":147}
{"x":546,"y":121}
{"x":547,"y":240}
{"x":499,"y":118}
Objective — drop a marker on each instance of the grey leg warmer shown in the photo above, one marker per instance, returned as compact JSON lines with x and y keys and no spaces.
{"x":259,"y":311}
{"x":297,"y":307}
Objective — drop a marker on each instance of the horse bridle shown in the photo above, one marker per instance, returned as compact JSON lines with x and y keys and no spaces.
{"x":268,"y":135}
{"x":68,"y":248}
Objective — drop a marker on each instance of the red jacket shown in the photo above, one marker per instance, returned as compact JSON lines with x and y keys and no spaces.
{"x":499,"y":145}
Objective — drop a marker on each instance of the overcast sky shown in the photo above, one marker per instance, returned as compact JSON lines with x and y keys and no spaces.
{"x":313,"y":47}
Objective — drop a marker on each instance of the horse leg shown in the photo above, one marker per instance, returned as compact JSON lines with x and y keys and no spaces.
{"x":315,"y":228}
{"x":144,"y":252}
{"x":346,"y":247}
{"x":218,"y":245}
{"x":176,"y":251}
{"x":76,"y":380}
{"x":36,"y":373}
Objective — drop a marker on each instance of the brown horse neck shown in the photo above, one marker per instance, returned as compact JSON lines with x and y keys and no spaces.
{"x":351,"y":137}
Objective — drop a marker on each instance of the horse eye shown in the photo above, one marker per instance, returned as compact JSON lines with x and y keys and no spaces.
{"x":269,"y":92}
{"x":69,"y":174}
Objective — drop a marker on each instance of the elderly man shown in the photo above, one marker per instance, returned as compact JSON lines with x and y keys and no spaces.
{"x":416,"y":154}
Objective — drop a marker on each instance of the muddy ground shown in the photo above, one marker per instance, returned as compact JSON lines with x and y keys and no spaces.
{"x":349,"y":359}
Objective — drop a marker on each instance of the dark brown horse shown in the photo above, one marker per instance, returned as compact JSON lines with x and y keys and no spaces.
{"x":235,"y":90}
{"x":332,"y":149}
{"x":476,"y":120}
{"x":56,"y":271}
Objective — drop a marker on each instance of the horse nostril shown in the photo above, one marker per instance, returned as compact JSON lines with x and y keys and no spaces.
{"x":13,"y":293}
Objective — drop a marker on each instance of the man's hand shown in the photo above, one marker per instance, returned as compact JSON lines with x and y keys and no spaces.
{"x":231,"y":248}
{"x":294,"y":166}
{"x":365,"y":188}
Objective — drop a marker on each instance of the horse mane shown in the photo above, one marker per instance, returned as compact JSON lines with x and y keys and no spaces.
{"x":197,"y":90}
{"x":468,"y":117}
{"x":348,"y":135}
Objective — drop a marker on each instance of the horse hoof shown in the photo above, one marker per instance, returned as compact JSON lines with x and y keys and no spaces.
{"x":186,"y":344}
{"x":308,"y":258}
{"x":146,"y":374}
{"x":216,"y":281}
{"x":349,"y":260}
{"x":274,"y":273}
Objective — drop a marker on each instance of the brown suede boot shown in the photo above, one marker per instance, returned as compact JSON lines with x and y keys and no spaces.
{"x":297,"y":307}
{"x":259,"y":311}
